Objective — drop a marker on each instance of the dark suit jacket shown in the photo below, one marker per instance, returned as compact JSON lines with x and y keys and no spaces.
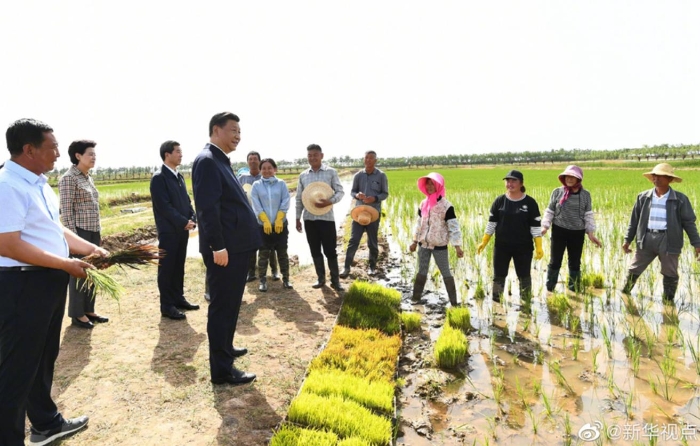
{"x":172,"y":207}
{"x":225,"y":217}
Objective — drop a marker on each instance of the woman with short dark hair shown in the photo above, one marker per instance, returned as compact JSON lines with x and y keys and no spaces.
{"x":80,"y":212}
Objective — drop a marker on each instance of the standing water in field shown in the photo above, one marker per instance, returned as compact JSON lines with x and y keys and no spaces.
{"x":595,"y":366}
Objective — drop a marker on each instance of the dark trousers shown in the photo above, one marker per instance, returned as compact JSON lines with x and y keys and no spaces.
{"x":567,"y":240}
{"x":274,"y":245}
{"x":32,"y":304}
{"x":81,"y":301}
{"x":372,"y":243}
{"x":521,"y":256}
{"x":171,"y":269}
{"x":321,"y":234}
{"x":253,"y":262}
{"x":226,"y":287}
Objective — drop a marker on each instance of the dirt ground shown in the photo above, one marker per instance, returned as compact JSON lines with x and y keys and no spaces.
{"x":144,"y":380}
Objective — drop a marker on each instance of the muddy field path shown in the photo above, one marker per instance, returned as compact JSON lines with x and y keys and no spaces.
{"x":144,"y":380}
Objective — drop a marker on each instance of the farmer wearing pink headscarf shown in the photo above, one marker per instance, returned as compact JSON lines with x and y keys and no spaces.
{"x":570,"y":216}
{"x":437,"y":227}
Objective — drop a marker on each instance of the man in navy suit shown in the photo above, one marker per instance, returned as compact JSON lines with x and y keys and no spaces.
{"x":175,"y":217}
{"x":228,"y":235}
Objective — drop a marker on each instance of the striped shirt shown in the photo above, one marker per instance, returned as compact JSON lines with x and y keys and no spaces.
{"x":80,"y":206}
{"x":575,"y":214}
{"x":325,"y":174}
{"x":657,"y":212}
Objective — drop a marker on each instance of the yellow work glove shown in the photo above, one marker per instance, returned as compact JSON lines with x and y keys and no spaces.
{"x":267,"y":226}
{"x":279,"y":222}
{"x":484,"y":242}
{"x":539,"y":253}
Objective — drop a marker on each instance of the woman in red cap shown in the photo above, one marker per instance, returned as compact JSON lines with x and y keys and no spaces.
{"x":437,"y":227}
{"x":570,"y":216}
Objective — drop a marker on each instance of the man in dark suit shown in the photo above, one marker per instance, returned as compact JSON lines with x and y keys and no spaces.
{"x":175,"y":217}
{"x":228,"y":235}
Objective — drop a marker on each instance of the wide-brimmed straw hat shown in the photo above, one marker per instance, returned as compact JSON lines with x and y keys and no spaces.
{"x":664,"y":169}
{"x":313,"y":193}
{"x":247,"y":187}
{"x":364,"y":214}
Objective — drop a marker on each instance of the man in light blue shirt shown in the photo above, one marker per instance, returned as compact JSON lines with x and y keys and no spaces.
{"x":34,"y":271}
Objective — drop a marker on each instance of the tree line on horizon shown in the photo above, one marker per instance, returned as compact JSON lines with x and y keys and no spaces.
{"x":645,"y":153}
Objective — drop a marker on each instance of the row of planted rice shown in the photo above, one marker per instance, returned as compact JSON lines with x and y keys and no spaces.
{"x":348,"y":396}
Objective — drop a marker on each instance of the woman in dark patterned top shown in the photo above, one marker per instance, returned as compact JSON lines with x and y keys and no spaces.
{"x":515,"y":219}
{"x":570,"y":216}
{"x":80,"y":212}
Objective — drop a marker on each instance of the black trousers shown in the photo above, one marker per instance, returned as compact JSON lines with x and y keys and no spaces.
{"x":521,"y":256}
{"x":321,"y":234}
{"x":81,"y":301}
{"x":171,"y":268}
{"x":226,"y":287}
{"x":372,"y":242}
{"x":566,"y":240}
{"x":32,"y":304}
{"x":274,"y":245}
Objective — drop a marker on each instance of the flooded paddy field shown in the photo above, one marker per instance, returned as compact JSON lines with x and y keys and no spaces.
{"x":591,"y":367}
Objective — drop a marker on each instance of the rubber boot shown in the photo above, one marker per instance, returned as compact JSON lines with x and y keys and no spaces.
{"x":335,"y":274}
{"x":552,"y":277}
{"x":574,"y":282}
{"x":499,"y":286}
{"x":451,"y":290}
{"x":320,"y":272}
{"x":629,"y":283}
{"x":418,"y":287}
{"x":525,"y":292}
{"x":670,"y":287}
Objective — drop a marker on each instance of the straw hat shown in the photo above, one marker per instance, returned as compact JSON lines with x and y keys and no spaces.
{"x":247,"y":188}
{"x":364,"y":214}
{"x":313,"y":193}
{"x":663,"y":169}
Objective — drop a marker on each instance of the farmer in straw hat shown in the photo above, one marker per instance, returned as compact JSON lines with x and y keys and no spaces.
{"x":570,"y":215}
{"x":369,"y":187}
{"x":658,"y":220}
{"x":318,"y":190}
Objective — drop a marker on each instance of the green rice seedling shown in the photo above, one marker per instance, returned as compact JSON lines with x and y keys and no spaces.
{"x":103,"y":284}
{"x":378,"y":395}
{"x":650,"y":340}
{"x":526,"y":323}
{"x":450,"y":348}
{"x":290,"y":435}
{"x":694,"y":350}
{"x":345,"y":418}
{"x":536,"y":387}
{"x":668,"y":372}
{"x":594,"y":356}
{"x":520,"y":390}
{"x":459,"y":318}
{"x":479,"y":292}
{"x":671,"y":313}
{"x":575,"y":347}
{"x":634,"y":351}
{"x":491,"y":421}
{"x":411,"y":321}
{"x":672,"y":333}
{"x":365,"y":353}
{"x":533,"y":419}
{"x":550,"y":409}
{"x":368,"y":305}
{"x":594,"y":280}
{"x":561,"y":380}
{"x":652,"y":385}
{"x":606,"y":340}
{"x":567,"y":425}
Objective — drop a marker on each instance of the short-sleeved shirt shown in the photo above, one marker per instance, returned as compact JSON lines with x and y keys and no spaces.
{"x":30,"y":206}
{"x":325,"y":174}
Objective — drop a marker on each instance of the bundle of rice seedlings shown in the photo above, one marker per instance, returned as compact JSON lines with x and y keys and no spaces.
{"x":102,"y":283}
{"x":132,"y":256}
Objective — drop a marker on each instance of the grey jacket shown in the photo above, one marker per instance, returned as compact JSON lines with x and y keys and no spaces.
{"x":679,"y":217}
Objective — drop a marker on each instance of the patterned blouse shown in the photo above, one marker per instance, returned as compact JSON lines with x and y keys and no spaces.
{"x":80,"y":207}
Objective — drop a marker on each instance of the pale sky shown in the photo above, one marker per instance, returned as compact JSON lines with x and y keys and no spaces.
{"x":398,"y":77}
